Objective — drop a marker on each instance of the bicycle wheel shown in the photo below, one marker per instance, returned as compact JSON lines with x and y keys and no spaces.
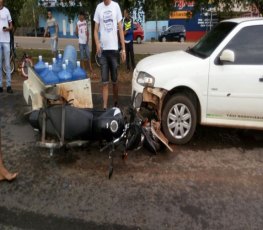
{"x":27,"y":62}
{"x":12,"y":65}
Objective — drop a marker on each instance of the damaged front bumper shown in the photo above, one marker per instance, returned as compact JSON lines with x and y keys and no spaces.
{"x":152,"y":97}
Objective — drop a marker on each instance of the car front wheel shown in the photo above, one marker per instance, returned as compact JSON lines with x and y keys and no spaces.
{"x":139,"y":40}
{"x":164,"y":39}
{"x":182,"y":39}
{"x":179,"y":119}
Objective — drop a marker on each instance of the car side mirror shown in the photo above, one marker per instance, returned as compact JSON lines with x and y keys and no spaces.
{"x":227,"y":56}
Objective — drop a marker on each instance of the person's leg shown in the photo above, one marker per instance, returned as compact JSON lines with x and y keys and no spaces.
{"x":114,"y":76}
{"x":53,"y":44}
{"x":1,"y":72}
{"x":105,"y":95}
{"x":104,"y":78}
{"x":127,"y":56}
{"x":56,"y":48}
{"x":4,"y":174}
{"x":6,"y":49}
{"x":132,"y":55}
{"x":88,"y":58}
{"x":81,"y":51}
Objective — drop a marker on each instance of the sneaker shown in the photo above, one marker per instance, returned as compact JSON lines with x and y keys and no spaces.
{"x":1,"y":90}
{"x":9,"y":89}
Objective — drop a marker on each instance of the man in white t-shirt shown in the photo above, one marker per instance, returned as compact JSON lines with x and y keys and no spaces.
{"x":82,"y":33}
{"x":108,"y":23}
{"x":5,"y":28}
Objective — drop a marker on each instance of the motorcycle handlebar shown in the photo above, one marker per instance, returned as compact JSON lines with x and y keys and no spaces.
{"x":112,"y":143}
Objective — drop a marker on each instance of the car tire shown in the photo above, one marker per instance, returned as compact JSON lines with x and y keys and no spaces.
{"x":179,"y":118}
{"x":163,"y":39}
{"x":139,"y":40}
{"x":182,"y":39}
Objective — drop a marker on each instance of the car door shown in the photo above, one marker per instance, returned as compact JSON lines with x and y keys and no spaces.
{"x":235,"y":91}
{"x":176,"y":33}
{"x":169,"y":35}
{"x":135,"y":32}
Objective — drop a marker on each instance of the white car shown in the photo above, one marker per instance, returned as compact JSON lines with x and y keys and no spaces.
{"x":218,"y":82}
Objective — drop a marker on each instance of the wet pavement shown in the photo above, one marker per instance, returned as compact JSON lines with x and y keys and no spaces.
{"x":214,"y":182}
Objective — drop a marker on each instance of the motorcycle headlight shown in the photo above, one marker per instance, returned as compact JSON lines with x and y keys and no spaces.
{"x":114,"y":126}
{"x":145,"y":79}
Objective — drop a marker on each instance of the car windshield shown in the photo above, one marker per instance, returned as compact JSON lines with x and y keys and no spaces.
{"x":211,"y":40}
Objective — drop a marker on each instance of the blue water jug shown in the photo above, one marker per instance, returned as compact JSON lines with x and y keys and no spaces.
{"x":50,"y":77}
{"x":79,"y":73}
{"x":64,"y":75}
{"x":70,"y":54}
{"x":69,"y":66}
{"x":60,"y":60}
{"x":55,"y":67}
{"x":40,"y":65}
{"x":44,"y":72}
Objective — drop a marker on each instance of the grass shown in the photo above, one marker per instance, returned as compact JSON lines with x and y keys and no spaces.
{"x":47,"y":56}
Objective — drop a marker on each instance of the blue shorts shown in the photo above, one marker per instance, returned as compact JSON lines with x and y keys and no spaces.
{"x":109,"y":65}
{"x":84,"y":51}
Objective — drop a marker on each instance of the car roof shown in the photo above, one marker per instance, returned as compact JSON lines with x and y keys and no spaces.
{"x":245,"y":19}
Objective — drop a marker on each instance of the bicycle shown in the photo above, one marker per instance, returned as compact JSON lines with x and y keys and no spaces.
{"x":25,"y":62}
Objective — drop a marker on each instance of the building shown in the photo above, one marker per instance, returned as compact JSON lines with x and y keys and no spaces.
{"x":196,"y":25}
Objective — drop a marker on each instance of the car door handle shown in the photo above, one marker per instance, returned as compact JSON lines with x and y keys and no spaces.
{"x":261,"y":79}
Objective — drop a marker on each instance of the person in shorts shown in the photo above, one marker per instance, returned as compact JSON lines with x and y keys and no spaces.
{"x":52,"y":28}
{"x":108,"y":23}
{"x":82,"y":33}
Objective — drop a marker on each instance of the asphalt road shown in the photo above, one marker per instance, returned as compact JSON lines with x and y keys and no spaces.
{"x":214,"y":182}
{"x":144,"y":48}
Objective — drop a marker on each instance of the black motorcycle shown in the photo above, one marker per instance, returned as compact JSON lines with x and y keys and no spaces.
{"x":62,"y":125}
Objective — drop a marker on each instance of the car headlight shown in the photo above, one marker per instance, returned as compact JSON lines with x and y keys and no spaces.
{"x":145,"y":79}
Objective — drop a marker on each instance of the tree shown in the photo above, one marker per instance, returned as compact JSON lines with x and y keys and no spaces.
{"x":31,"y":10}
{"x":14,"y":8}
{"x":227,"y":5}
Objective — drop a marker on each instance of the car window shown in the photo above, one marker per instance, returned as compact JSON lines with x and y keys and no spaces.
{"x":169,"y":28}
{"x":178,"y":29}
{"x":134,"y":27}
{"x":173,"y":29}
{"x":211,"y":40}
{"x":248,"y":46}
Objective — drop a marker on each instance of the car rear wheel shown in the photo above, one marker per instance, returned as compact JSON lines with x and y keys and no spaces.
{"x":139,"y":40}
{"x":164,"y":39}
{"x":182,"y":39}
{"x":179,"y":119}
